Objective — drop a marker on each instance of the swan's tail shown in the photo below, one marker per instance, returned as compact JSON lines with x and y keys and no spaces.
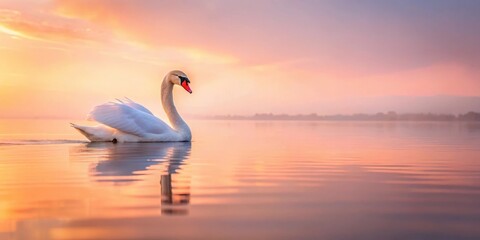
{"x":96,"y":133}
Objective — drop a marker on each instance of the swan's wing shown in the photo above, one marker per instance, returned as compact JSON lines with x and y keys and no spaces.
{"x":134,"y":105}
{"x":127,"y":119}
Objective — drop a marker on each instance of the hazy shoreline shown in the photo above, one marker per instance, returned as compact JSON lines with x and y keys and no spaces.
{"x":389,"y":116}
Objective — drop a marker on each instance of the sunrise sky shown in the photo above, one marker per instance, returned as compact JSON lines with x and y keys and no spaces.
{"x":59,"y":58}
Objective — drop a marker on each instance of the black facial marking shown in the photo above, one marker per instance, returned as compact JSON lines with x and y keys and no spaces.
{"x":182,"y":79}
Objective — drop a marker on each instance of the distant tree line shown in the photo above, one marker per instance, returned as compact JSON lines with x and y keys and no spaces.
{"x":389,"y":116}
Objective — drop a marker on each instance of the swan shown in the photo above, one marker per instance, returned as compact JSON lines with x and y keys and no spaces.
{"x":128,"y":121}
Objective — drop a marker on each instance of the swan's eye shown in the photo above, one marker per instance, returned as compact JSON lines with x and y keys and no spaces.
{"x":182,"y":79}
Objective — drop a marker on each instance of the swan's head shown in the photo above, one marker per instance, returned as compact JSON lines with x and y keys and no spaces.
{"x":180,"y":78}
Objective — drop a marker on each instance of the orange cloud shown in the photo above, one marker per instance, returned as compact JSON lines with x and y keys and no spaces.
{"x":8,"y":15}
{"x":110,"y":16}
{"x":42,"y":31}
{"x":51,"y":29}
{"x":158,"y":24}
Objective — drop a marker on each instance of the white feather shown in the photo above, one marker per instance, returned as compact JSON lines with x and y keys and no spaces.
{"x":135,"y":105}
{"x":129,"y":120}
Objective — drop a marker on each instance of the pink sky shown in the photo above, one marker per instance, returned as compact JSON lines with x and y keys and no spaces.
{"x":59,"y":58}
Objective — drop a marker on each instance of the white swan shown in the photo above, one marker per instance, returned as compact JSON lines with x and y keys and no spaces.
{"x":128,"y":121}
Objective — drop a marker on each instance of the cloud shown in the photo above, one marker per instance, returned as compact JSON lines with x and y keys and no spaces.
{"x":255,"y":32}
{"x":369,"y":37}
{"x":8,"y":15}
{"x":48,"y":28}
{"x":41,"y":31}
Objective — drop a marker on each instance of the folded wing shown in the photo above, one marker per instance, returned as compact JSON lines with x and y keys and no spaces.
{"x":132,"y":104}
{"x":128,"y":119}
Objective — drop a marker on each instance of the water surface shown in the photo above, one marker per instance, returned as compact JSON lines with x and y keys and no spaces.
{"x":244,"y":180}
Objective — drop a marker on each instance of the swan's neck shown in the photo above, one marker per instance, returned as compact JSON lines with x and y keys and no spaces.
{"x":176,"y":121}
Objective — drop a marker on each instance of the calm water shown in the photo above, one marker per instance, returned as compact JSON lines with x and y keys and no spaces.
{"x":244,"y":180}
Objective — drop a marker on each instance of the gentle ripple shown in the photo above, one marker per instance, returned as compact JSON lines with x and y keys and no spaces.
{"x":246,"y":180}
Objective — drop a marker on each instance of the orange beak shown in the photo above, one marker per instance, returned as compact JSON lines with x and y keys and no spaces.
{"x":186,"y":86}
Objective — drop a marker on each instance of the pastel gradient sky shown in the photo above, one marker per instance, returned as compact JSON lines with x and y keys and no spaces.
{"x":59,"y":58}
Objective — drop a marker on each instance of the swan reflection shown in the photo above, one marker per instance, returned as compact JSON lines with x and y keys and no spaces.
{"x":124,"y":163}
